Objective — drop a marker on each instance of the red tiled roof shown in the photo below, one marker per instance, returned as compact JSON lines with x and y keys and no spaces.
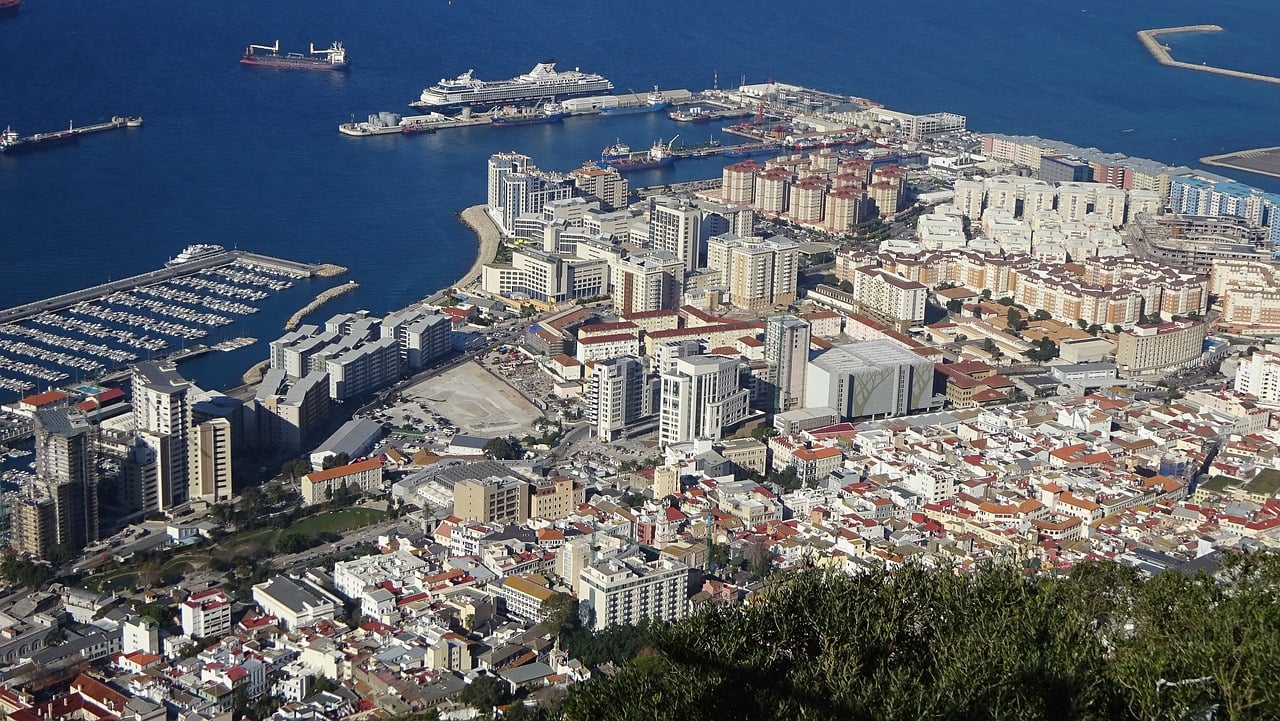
{"x":340,"y":471}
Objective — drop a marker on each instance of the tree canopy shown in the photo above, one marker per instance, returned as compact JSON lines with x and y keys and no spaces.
{"x":913,"y":644}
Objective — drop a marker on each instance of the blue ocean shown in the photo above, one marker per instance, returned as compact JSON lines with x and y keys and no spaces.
{"x":251,"y":158}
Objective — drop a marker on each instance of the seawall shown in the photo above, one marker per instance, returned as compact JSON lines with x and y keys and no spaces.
{"x":1150,"y":40}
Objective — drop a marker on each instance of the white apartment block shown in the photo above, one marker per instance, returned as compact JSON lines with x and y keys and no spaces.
{"x":1259,"y":376}
{"x":206,"y":614}
{"x":630,"y":590}
{"x":674,"y":226}
{"x":699,"y":399}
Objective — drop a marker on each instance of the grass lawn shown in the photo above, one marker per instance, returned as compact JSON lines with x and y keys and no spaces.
{"x":336,"y":521}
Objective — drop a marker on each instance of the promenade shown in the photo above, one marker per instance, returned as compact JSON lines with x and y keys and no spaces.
{"x":1150,"y":39}
{"x":479,"y":221}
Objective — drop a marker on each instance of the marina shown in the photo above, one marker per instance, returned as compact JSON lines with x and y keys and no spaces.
{"x":95,"y":333}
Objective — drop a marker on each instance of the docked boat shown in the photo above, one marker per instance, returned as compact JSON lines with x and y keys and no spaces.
{"x":541,"y":83}
{"x":10,"y":7}
{"x":617,"y":151}
{"x":692,"y":115}
{"x":512,"y":116}
{"x":654,"y":102}
{"x":658,"y":156}
{"x":333,"y":58}
{"x":191,"y":253}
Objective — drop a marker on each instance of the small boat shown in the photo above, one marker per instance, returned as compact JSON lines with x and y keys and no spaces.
{"x":133,"y":122}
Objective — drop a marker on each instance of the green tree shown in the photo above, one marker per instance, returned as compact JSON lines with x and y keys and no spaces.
{"x":334,"y":460}
{"x":484,"y":693}
{"x":955,"y":306}
{"x":502,"y":448}
{"x":559,"y":612}
{"x":1041,"y":315}
{"x":295,"y":468}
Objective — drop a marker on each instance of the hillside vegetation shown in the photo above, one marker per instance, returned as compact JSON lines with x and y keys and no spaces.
{"x":915,"y":644}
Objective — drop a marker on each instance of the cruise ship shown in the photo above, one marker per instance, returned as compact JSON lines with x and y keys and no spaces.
{"x":541,"y":84}
{"x":198,"y":251}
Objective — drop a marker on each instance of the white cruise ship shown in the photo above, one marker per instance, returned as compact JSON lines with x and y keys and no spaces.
{"x":195,"y":252}
{"x":543,"y":83}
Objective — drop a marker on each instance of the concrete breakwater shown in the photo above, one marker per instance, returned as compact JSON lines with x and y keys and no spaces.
{"x":324,"y":297}
{"x":1150,"y":39}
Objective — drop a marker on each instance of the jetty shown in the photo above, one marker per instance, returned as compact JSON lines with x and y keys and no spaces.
{"x":324,"y":297}
{"x":1151,"y":39}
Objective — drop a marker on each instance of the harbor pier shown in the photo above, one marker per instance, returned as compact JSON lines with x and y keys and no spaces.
{"x":1151,"y":39}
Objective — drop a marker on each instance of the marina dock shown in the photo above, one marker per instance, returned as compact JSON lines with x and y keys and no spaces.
{"x":66,"y":300}
{"x":176,"y":312}
{"x":1151,"y":39}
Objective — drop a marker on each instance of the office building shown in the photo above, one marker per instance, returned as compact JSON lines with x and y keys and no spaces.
{"x":1259,"y":376}
{"x":786,"y":348}
{"x":618,"y":396}
{"x":700,"y":398}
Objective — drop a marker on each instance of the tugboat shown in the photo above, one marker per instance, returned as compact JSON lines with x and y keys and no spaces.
{"x":334,"y":58}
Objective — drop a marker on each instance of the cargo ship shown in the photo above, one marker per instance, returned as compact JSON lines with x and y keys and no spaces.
{"x":199,"y":251}
{"x":657,"y":157}
{"x":334,"y":58}
{"x":513,"y":116}
{"x":11,"y":143}
{"x":542,"y":83}
{"x":654,"y":102}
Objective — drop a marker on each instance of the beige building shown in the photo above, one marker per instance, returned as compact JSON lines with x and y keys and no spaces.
{"x":555,"y":498}
{"x":771,"y":190}
{"x":739,"y":182}
{"x":492,"y":500}
{"x":759,"y":273}
{"x":211,"y":460}
{"x":895,"y":300}
{"x":606,"y":184}
{"x":648,"y":282}
{"x":807,"y":197}
{"x":362,"y":476}
{"x":1157,"y":349}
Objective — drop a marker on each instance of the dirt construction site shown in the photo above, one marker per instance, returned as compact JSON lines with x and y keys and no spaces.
{"x":477,"y":402}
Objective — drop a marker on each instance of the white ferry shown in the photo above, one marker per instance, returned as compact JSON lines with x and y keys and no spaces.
{"x":198,"y":251}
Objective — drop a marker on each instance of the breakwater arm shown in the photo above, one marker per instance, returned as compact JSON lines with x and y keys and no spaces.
{"x":1150,"y":39}
{"x":320,"y":300}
